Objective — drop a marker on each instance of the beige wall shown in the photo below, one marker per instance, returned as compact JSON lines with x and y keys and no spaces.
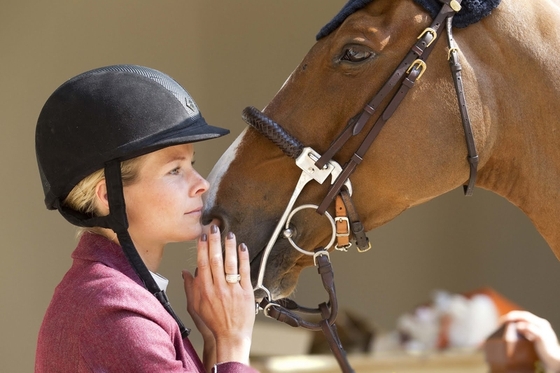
{"x":228,"y":54}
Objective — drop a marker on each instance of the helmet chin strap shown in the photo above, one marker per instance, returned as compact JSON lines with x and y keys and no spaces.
{"x":118,"y":222}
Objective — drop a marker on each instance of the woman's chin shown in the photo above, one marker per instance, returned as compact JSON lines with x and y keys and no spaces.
{"x":189,"y":233}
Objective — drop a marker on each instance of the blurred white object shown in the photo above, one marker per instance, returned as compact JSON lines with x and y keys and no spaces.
{"x":472,"y":320}
{"x":449,"y":321}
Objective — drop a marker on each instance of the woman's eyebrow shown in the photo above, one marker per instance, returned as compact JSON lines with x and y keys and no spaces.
{"x":175,"y":158}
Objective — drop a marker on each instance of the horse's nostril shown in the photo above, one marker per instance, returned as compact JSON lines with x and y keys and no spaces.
{"x":215,"y":216}
{"x":223,"y":226}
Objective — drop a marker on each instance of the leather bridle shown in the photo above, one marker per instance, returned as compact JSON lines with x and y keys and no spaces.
{"x":319,"y":167}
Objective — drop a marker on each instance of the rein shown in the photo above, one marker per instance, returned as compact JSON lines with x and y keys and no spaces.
{"x":319,"y":167}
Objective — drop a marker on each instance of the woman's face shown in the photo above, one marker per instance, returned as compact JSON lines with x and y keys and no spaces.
{"x":164,"y":204}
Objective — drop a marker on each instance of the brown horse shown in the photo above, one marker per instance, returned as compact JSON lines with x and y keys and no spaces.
{"x":510,"y":70}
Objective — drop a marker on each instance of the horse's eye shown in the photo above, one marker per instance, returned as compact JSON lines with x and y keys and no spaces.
{"x":356,"y":53}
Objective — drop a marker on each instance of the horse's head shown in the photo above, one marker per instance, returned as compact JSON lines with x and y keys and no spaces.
{"x":419,"y":154}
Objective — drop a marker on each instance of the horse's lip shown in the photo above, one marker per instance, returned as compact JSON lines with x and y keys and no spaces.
{"x":256,"y":260}
{"x":257,"y":256}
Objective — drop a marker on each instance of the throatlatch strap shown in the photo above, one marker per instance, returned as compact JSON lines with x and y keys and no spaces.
{"x":455,"y":66}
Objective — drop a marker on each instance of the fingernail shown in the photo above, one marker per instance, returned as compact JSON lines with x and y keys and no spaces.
{"x":230,"y":236}
{"x":214,"y":228}
{"x":204,"y":237}
{"x":243,"y":247}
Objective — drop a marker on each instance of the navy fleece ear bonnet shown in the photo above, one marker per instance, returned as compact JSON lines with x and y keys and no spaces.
{"x":471,"y":12}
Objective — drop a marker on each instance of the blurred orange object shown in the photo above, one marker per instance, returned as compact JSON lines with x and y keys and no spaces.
{"x":503,"y":305}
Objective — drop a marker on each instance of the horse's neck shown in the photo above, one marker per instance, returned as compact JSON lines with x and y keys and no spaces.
{"x":524,"y":165}
{"x":530,"y":179}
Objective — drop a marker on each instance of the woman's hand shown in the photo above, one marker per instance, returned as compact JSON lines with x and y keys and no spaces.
{"x":225,"y":309}
{"x":209,"y":351}
{"x":539,"y":331}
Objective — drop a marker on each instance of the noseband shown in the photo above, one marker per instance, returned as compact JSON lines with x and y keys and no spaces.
{"x":319,"y":167}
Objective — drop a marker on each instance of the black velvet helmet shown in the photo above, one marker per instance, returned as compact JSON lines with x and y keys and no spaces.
{"x":100,"y":118}
{"x":111,"y":113}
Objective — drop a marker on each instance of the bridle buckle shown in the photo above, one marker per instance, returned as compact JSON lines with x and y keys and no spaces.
{"x":419,"y":64}
{"x":342,"y":230}
{"x":319,"y":253}
{"x":430,"y":31}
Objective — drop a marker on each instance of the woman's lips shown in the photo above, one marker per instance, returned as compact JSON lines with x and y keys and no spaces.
{"x":196,"y":211}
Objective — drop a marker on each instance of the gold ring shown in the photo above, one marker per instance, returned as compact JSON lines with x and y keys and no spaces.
{"x":233,"y":279}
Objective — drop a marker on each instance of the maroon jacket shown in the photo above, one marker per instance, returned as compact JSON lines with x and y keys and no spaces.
{"x":102,"y":319}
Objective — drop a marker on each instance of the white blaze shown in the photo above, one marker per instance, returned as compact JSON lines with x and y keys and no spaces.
{"x":215,"y":176}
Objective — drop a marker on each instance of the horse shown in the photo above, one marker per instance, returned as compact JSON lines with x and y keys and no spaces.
{"x":509,"y":75}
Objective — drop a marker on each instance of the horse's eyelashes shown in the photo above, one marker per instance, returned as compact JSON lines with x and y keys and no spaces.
{"x":356,"y":53}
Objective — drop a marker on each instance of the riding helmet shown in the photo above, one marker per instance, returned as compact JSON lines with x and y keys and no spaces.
{"x":111,"y":113}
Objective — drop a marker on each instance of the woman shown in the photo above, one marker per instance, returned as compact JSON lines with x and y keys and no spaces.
{"x":115,"y":154}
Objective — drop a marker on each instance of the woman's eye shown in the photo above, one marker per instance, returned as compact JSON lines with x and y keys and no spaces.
{"x":356,"y":53}
{"x":175,"y":171}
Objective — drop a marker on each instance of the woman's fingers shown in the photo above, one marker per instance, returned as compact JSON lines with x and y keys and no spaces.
{"x":187,"y":282}
{"x":230,"y":261}
{"x":214,"y":263}
{"x":225,"y":308}
{"x":519,"y":315}
{"x":526,"y":318}
{"x":532,"y":326}
{"x":244,"y":267}
{"x":203,"y":260}
{"x":215,"y":255}
{"x":188,"y":279}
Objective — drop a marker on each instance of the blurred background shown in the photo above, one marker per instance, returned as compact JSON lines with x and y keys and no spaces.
{"x":228,"y":55}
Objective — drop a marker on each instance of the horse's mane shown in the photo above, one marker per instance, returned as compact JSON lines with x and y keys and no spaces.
{"x":471,"y":12}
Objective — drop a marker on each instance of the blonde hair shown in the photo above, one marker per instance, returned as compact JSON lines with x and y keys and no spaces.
{"x":82,"y":197}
